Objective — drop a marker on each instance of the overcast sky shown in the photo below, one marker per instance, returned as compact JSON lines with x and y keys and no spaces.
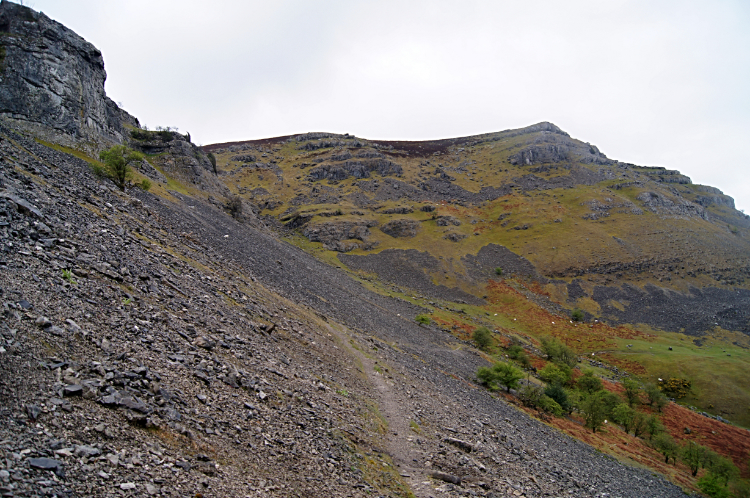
{"x":662,"y":83}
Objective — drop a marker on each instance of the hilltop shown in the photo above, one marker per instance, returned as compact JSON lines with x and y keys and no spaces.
{"x":246,"y":325}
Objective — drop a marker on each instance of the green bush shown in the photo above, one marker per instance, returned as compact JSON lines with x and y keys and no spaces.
{"x":656,"y":398}
{"x":589,"y":383}
{"x":482,"y":337}
{"x":664,"y":444}
{"x":654,"y":426}
{"x":577,"y":315}
{"x":632,"y":392}
{"x":556,"y":373}
{"x":145,"y":184}
{"x":558,"y":352}
{"x":516,"y":352}
{"x":117,"y":160}
{"x":560,"y":395}
{"x":530,"y":395}
{"x":498,"y":271}
{"x":549,"y":405}
{"x":502,"y":373}
{"x":422,"y":319}
{"x":712,"y":486}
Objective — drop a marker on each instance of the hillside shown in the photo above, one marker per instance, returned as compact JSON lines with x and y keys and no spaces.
{"x":626,"y":244}
{"x":245,"y":326}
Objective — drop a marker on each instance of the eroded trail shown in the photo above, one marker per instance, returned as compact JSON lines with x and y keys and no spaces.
{"x":403,"y":441}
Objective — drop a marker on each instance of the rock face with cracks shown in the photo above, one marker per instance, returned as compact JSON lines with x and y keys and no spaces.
{"x":52,"y":80}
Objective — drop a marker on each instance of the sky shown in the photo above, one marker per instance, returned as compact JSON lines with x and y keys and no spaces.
{"x":653,"y":82}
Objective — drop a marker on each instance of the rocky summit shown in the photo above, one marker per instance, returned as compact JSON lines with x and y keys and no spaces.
{"x":296,"y":316}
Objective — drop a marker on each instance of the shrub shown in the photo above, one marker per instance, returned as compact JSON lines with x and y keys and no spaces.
{"x":632,"y":391}
{"x":234,"y":205}
{"x":656,"y":398}
{"x":212,"y":160}
{"x":516,"y":352}
{"x":422,"y":319}
{"x":588,"y":383}
{"x":117,"y":160}
{"x":720,"y":467}
{"x":577,"y":315}
{"x":712,"y":486}
{"x":99,"y":171}
{"x":549,"y":405}
{"x":653,"y":426}
{"x":556,"y":373}
{"x":507,"y":375}
{"x":677,"y":387}
{"x":693,"y":455}
{"x":499,"y":271}
{"x":558,"y":352}
{"x":503,"y":373}
{"x":530,"y":395}
{"x":145,"y":184}
{"x":560,"y":395}
{"x":482,"y":337}
{"x":664,"y":444}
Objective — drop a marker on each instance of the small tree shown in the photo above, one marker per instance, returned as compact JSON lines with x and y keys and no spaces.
{"x":639,"y":423}
{"x":503,"y":373}
{"x":588,"y":383}
{"x":577,"y":315}
{"x":516,"y":352}
{"x":549,"y":405}
{"x":713,"y":486}
{"x":482,"y":337}
{"x":499,"y":271}
{"x":594,"y":409}
{"x":656,"y":398}
{"x":653,"y":426}
{"x":558,"y":352}
{"x":117,"y":160}
{"x":693,"y":455}
{"x":556,"y":374}
{"x":664,"y":444}
{"x":624,"y":415}
{"x":632,"y":391}
{"x":560,"y":395}
{"x":530,"y":395}
{"x":422,"y":319}
{"x":507,"y":375}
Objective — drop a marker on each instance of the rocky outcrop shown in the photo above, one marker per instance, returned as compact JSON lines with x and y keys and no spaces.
{"x":333,"y":234}
{"x":536,"y":154}
{"x":662,"y":205}
{"x":52,"y":81}
{"x":178,"y":158}
{"x":357,"y":169}
{"x":551,"y":147}
{"x":401,"y":228}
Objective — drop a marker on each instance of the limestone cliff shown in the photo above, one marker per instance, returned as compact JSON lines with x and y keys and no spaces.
{"x":52,"y":80}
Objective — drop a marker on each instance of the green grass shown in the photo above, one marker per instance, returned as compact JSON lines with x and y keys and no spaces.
{"x":721,"y":383}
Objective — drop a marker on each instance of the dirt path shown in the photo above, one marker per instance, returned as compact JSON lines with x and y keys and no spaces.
{"x":402,"y":441}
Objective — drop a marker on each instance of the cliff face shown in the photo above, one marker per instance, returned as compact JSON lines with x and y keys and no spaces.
{"x":52,"y":77}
